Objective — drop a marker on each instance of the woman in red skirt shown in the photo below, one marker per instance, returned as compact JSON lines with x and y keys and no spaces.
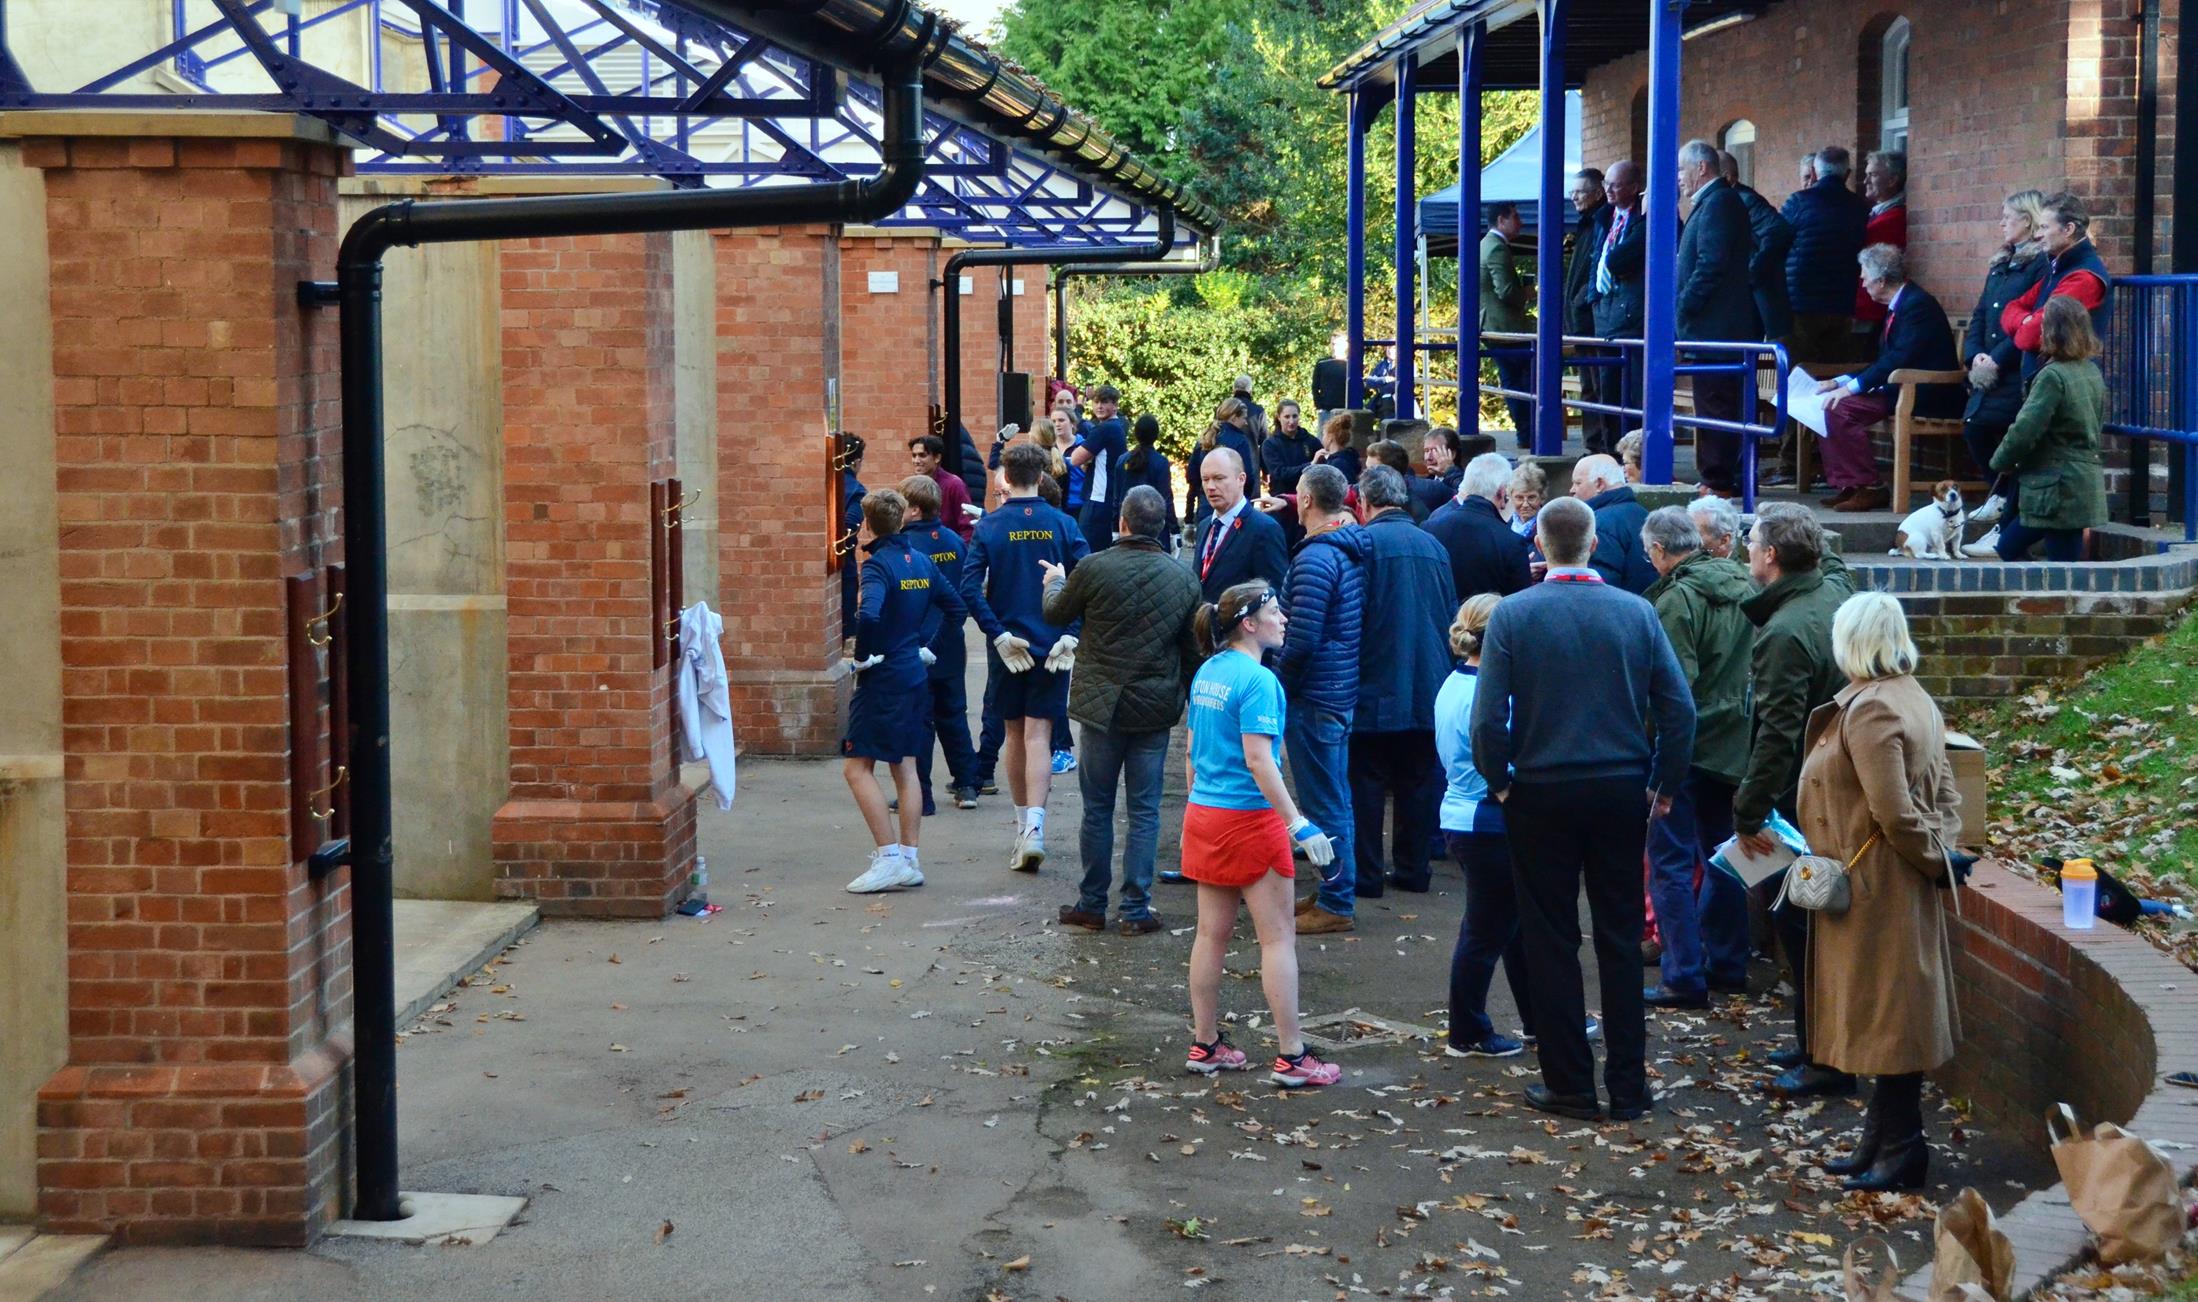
{"x":1237,"y":831}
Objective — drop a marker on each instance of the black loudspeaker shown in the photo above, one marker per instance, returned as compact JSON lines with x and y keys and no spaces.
{"x":1329,"y":375}
{"x":1021,"y":395}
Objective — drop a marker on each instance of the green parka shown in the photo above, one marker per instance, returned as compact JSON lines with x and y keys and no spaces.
{"x":1794,"y":674}
{"x":2053,"y":448}
{"x":1699,"y":606}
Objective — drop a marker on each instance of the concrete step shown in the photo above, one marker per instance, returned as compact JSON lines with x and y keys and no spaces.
{"x":33,"y":1265}
{"x":441,"y":942}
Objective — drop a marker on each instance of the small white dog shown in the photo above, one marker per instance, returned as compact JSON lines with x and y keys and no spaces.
{"x":1931,"y":531}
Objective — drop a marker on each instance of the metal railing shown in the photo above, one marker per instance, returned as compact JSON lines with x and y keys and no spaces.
{"x":2151,"y":367}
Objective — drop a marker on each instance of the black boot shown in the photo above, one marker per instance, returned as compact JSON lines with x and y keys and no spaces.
{"x":1865,"y":1152}
{"x":1903,"y":1159}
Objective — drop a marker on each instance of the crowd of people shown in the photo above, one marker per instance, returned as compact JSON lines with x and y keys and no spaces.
{"x":1826,"y":273}
{"x":1383,"y":663}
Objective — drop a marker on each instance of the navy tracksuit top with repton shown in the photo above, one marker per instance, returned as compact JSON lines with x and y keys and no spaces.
{"x":1001,"y":581}
{"x":903,"y":600}
{"x":944,"y":547}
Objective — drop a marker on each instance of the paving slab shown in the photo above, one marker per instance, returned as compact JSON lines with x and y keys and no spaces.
{"x":38,"y":1264}
{"x":441,"y":942}
{"x":448,"y":1220}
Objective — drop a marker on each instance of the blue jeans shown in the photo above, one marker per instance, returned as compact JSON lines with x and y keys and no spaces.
{"x":1319,"y":745}
{"x":1488,"y":933}
{"x":1721,"y":906}
{"x":1677,"y":843}
{"x":1137,"y":760}
{"x":2017,"y":538}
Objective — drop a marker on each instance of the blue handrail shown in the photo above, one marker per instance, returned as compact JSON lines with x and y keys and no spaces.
{"x":2151,"y":367}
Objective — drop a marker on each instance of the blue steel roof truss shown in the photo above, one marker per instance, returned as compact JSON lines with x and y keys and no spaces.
{"x":591,"y":88}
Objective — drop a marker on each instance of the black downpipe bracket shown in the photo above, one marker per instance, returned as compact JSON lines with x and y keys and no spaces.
{"x":950,"y":284}
{"x":357,"y":290}
{"x":1207,"y":261}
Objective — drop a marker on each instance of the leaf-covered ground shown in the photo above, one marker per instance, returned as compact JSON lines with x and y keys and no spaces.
{"x":2107,"y":769}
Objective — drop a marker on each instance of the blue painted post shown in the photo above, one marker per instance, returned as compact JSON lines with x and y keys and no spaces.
{"x":1660,"y":314}
{"x":1549,"y":242}
{"x":1408,"y":80}
{"x":1354,"y":218}
{"x":1472,"y":41}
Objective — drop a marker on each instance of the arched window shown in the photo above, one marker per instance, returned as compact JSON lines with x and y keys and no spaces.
{"x":1892,"y":113}
{"x":1739,"y":141}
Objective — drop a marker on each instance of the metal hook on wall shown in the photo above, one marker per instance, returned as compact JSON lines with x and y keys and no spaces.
{"x":676,"y":513}
{"x":314,"y":797}
{"x":322,"y":619}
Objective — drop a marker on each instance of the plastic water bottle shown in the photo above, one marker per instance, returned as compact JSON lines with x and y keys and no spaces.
{"x":2079,"y":894}
{"x":698,"y":881}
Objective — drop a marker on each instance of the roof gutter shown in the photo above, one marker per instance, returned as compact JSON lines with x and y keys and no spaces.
{"x":969,"y":83}
{"x":899,"y":53}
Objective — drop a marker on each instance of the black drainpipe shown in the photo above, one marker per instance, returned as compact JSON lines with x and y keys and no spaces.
{"x":1206,"y":262}
{"x":950,"y":283}
{"x":357,"y":290}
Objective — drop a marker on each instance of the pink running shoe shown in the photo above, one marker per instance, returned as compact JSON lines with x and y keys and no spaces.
{"x":1304,"y":1069}
{"x":1220,"y":1056}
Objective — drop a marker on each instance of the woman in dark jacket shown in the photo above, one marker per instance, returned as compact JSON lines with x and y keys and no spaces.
{"x":1336,"y":449}
{"x":1147,"y":464}
{"x":1995,"y":364}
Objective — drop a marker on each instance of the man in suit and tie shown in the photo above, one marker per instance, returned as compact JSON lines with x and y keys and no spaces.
{"x":1238,"y":543}
{"x":1917,"y":336}
{"x":1614,"y":291}
{"x":1588,"y":197}
{"x":1504,"y":297}
{"x":1716,"y":302}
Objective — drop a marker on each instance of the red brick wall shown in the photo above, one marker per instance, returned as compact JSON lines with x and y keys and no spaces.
{"x":887,"y":371}
{"x":2007,"y":94}
{"x":597,"y":822}
{"x":981,"y":352}
{"x":209,"y":981}
{"x":778,"y":344}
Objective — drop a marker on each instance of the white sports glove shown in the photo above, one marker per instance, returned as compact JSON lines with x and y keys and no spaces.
{"x":973,"y":511}
{"x":926,"y":655}
{"x":1318,"y":847}
{"x":1014,"y":653}
{"x":1062,"y":657}
{"x":868,"y":662}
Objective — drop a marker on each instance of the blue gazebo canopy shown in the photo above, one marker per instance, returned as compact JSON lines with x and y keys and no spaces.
{"x":1516,"y":175}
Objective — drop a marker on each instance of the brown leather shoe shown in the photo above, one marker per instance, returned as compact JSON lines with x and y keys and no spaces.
{"x":1317,"y":921}
{"x":1874,"y":498}
{"x":1836,"y":498}
{"x":1305,"y":904}
{"x":1071,"y":916}
{"x":1144,"y":926}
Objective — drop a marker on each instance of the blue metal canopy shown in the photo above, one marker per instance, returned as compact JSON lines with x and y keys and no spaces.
{"x":689,"y":91}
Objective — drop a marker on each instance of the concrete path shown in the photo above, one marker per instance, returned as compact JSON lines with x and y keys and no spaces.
{"x":938,"y":1094}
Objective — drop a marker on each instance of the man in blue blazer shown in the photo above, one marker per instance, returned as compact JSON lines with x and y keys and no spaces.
{"x":1917,"y":337}
{"x":1615,"y":289}
{"x":1716,"y":302}
{"x":1238,"y":542}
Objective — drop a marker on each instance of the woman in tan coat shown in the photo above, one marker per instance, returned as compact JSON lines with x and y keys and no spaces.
{"x":1877,"y":790}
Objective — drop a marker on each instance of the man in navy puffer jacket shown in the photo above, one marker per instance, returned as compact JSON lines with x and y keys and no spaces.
{"x":1319,"y":667}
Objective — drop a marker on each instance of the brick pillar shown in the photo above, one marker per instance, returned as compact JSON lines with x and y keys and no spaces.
{"x":209,"y":981}
{"x":887,"y":351}
{"x":778,"y":356}
{"x":598,"y":823}
{"x":981,"y":351}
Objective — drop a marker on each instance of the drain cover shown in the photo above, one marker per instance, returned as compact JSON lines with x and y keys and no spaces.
{"x":1353,"y":1029}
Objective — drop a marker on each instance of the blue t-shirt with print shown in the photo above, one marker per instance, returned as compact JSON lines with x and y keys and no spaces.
{"x":1232,"y":695}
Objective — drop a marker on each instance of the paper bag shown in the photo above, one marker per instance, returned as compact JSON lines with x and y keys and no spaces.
{"x":1869,"y":1271}
{"x":2121,"y":1187}
{"x":1974,"y":1259}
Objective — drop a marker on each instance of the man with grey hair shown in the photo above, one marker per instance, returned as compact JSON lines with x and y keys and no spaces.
{"x":1255,"y":414}
{"x":1829,"y":221}
{"x":1718,"y":522}
{"x":1697,"y":598}
{"x":1715,"y":303}
{"x":1134,"y":663}
{"x":1319,"y":668}
{"x":1794,"y":672}
{"x":1569,"y":670}
{"x":1917,"y":336}
{"x":1621,"y":261}
{"x":1885,"y":189}
{"x":1600,"y":482}
{"x":1409,"y":605}
{"x":1485,"y":555}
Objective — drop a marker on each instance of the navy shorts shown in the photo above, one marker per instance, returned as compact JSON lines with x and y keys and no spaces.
{"x":889,"y":718}
{"x":1037,"y":693}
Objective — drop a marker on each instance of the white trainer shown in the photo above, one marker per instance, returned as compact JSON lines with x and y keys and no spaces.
{"x":1994,"y":507}
{"x":887,"y":871}
{"x":1030,"y":851}
{"x":1986,"y":548}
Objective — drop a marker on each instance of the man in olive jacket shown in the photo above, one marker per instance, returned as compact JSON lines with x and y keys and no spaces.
{"x":1504,"y":296}
{"x":1133,"y":672}
{"x":1794,"y":674}
{"x":1697,"y":598}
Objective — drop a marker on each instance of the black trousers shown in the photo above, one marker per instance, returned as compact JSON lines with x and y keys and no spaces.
{"x":1606,"y":384}
{"x":1791,"y":924}
{"x":1565,"y":836}
{"x":1716,"y":452}
{"x":1400,"y":766}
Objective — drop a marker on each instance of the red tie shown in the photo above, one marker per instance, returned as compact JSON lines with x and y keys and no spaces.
{"x":1213,"y":545}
